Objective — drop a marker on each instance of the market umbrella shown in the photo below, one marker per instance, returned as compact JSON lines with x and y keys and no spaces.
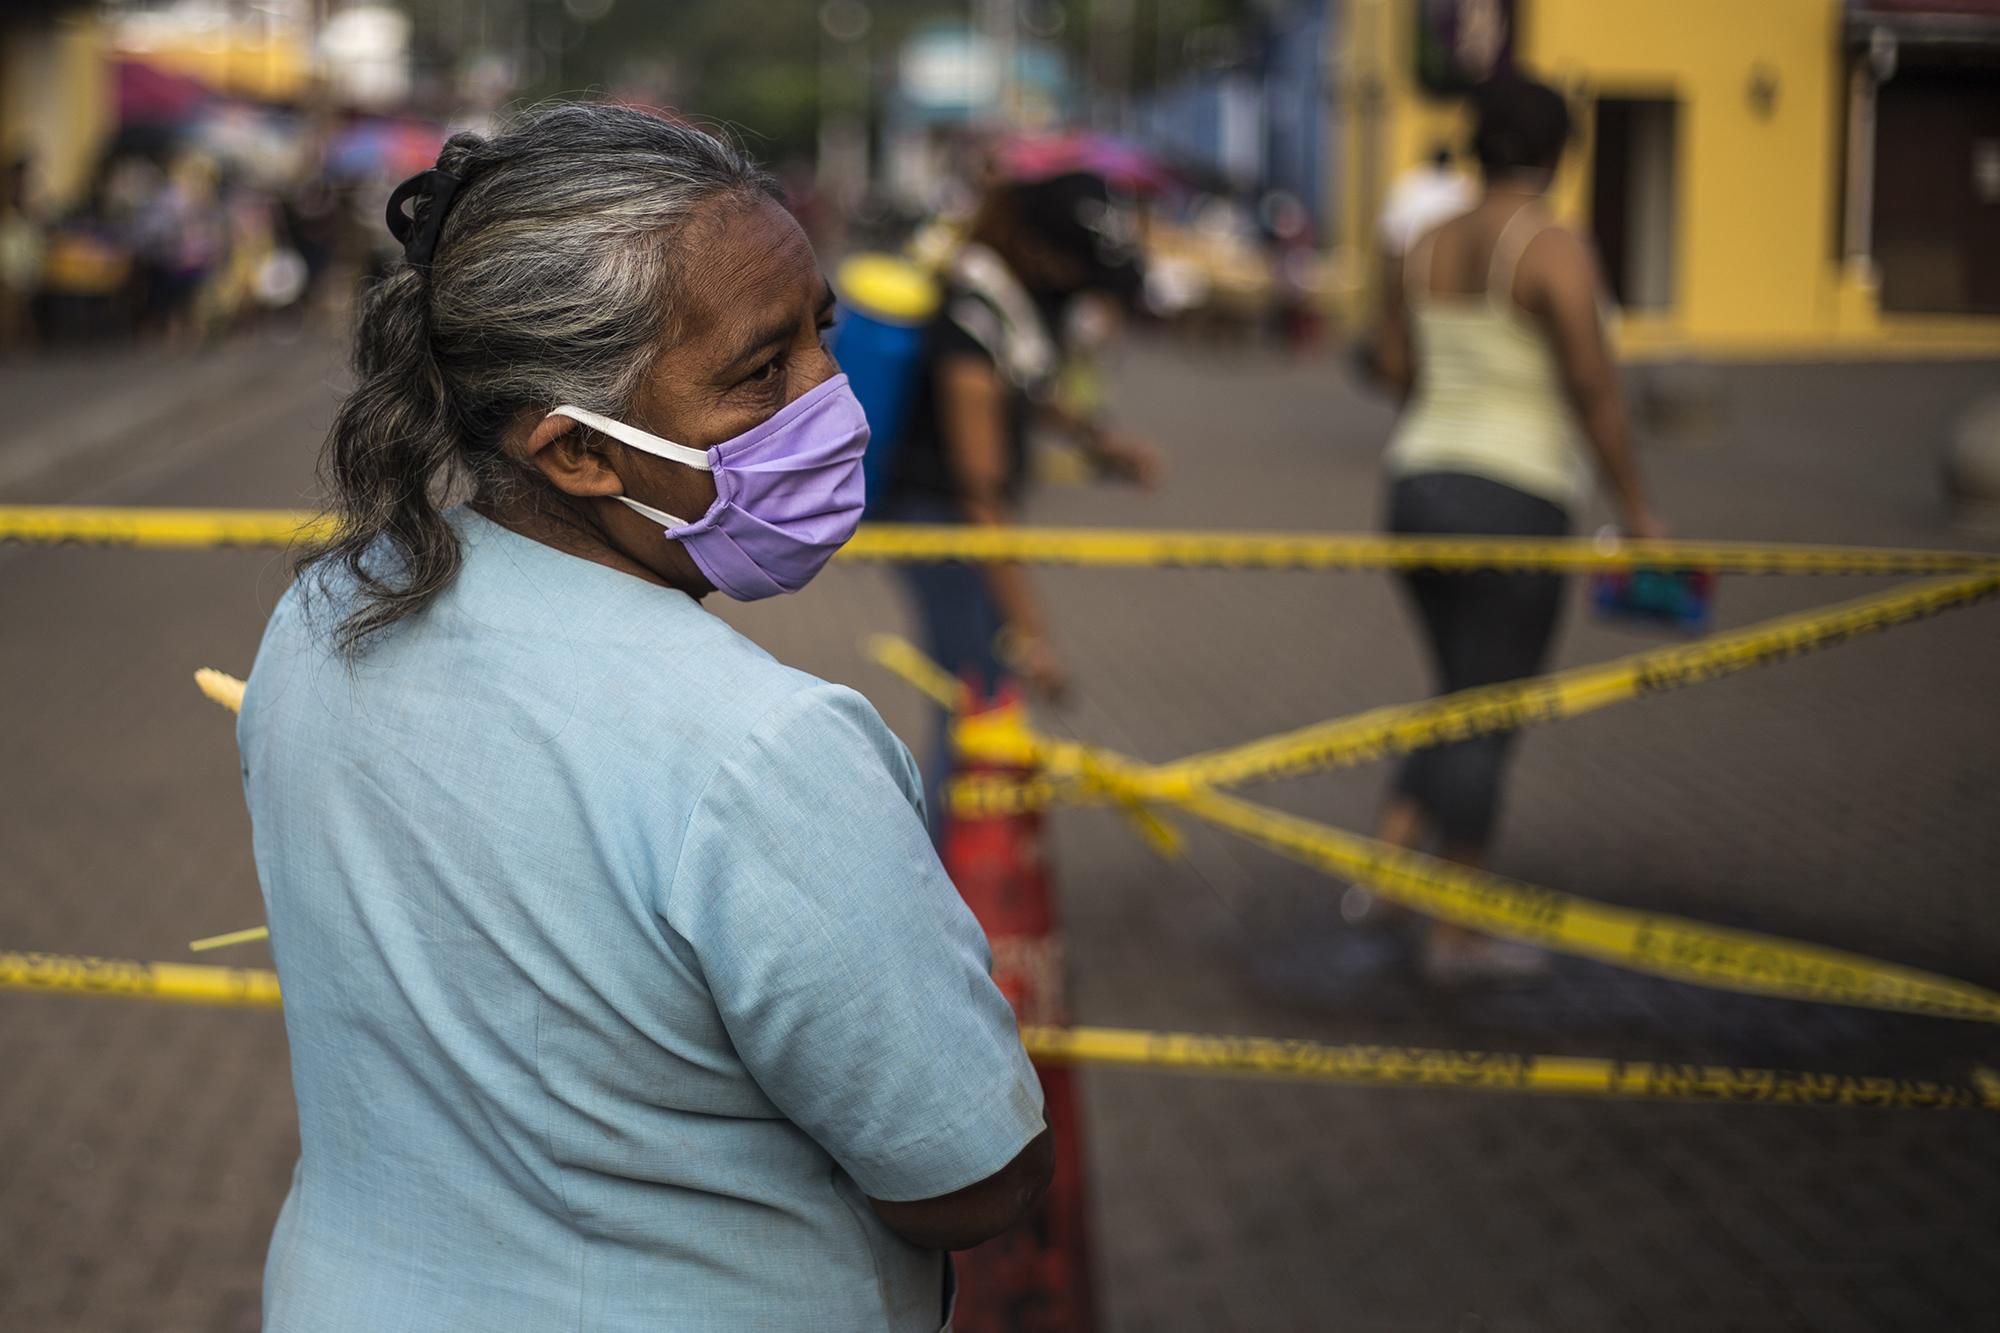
{"x":151,"y":96}
{"x":1124,"y":165}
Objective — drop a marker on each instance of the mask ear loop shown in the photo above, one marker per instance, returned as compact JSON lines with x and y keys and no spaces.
{"x":644,"y":442}
{"x":659,"y":516}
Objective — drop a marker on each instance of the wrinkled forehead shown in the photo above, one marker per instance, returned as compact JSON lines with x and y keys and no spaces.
{"x":744,"y":263}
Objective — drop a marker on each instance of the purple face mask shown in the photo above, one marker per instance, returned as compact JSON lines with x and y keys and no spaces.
{"x":788,"y":491}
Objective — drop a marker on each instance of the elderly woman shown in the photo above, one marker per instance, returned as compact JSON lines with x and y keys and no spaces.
{"x":623,"y":986}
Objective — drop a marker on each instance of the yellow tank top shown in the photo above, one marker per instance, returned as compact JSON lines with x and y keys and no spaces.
{"x":1489,"y":398}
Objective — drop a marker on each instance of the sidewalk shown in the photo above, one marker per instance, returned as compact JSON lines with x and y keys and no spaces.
{"x":1843,"y":799}
{"x":74,"y":411}
{"x":1846,"y":798}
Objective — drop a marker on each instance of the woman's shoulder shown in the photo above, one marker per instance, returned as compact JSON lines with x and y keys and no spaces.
{"x":1555,"y":243}
{"x":819,"y":719}
{"x":814,"y":751}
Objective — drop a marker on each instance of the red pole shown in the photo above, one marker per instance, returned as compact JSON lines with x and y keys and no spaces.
{"x":1036,"y":1277}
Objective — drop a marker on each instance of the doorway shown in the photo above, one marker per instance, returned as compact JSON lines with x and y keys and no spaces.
{"x":1633,"y":198}
{"x":1937,"y":191}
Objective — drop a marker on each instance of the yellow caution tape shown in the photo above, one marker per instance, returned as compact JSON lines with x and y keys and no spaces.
{"x":1118,"y":548}
{"x":1354,"y":551}
{"x":1661,"y":945}
{"x":905,"y":659}
{"x":991,"y":795}
{"x":184,"y":982}
{"x":1489,"y":1071}
{"x":999,"y":733}
{"x":1564,"y":694}
{"x":81,"y":525}
{"x":1666,"y":946}
{"x":1399,"y":728}
{"x":1354,"y":1065}
{"x":249,"y":936}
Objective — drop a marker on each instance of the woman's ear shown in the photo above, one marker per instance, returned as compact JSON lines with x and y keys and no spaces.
{"x":571,"y":457}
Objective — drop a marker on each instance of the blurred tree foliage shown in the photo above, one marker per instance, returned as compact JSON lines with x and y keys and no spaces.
{"x":755,"y":65}
{"x":751,"y":64}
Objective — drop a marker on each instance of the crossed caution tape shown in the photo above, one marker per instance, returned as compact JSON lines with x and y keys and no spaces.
{"x":1309,"y":1061}
{"x":1399,"y":728}
{"x":1066,"y":770}
{"x":1667,"y":946}
{"x":1655,"y":943}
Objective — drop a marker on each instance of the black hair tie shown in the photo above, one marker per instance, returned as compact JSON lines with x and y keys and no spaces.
{"x":420,"y":236}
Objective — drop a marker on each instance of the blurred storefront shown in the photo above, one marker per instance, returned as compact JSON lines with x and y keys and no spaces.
{"x":1780,"y":178}
{"x":1250,"y":110}
{"x":261,"y":51}
{"x":56,"y":98}
{"x":1923,"y":188}
{"x":955,"y":84}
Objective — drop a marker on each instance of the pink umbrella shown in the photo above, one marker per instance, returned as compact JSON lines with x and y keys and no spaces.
{"x":149,"y":96}
{"x":1124,"y":166}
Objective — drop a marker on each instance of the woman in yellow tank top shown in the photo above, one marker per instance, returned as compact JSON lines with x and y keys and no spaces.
{"x":1493,"y":334}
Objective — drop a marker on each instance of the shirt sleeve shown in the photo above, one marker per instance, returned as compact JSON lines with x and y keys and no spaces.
{"x":852,"y":979}
{"x":968,"y":327}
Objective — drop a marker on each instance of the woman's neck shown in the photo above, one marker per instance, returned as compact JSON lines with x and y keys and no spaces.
{"x":1519,"y":186}
{"x":565,"y":524}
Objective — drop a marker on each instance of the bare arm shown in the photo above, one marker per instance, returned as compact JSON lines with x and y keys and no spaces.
{"x":977,"y":1213}
{"x":972,"y":410}
{"x":1393,"y":362}
{"x":1566,"y":296}
{"x":1112,"y":453}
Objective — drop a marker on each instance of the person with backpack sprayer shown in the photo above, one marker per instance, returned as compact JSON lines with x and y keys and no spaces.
{"x":954,"y":368}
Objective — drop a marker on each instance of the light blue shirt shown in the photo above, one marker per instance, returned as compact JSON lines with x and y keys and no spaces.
{"x":618,"y":971}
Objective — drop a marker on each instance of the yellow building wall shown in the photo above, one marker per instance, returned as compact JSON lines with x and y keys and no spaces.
{"x":56,"y":100}
{"x":1758,"y":269}
{"x":1758,"y":189}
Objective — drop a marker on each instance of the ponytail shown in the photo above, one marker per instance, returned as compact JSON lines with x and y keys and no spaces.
{"x":390,"y":458}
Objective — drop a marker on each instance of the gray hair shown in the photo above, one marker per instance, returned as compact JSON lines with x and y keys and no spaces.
{"x":552,"y":281}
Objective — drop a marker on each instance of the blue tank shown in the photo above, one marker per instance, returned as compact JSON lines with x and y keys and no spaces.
{"x":886,"y":304}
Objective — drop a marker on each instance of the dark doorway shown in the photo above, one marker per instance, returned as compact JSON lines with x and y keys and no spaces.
{"x":1937,"y":191}
{"x":1633,"y":198}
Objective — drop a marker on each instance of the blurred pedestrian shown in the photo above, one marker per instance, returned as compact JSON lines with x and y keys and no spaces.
{"x":623,"y":986}
{"x":23,"y":238}
{"x":1493,"y":331}
{"x":1288,"y":232}
{"x":1423,"y":197}
{"x":181,"y":238}
{"x":230,"y":298}
{"x":312,"y":225}
{"x":991,"y":368}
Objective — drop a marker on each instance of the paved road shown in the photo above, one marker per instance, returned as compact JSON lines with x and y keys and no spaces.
{"x":1847,"y":798}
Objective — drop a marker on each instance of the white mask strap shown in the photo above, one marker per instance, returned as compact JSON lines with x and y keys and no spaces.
{"x":638,"y":439}
{"x":659,"y":516}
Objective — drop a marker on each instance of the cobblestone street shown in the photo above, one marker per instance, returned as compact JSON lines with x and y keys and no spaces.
{"x":1847,"y":799}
